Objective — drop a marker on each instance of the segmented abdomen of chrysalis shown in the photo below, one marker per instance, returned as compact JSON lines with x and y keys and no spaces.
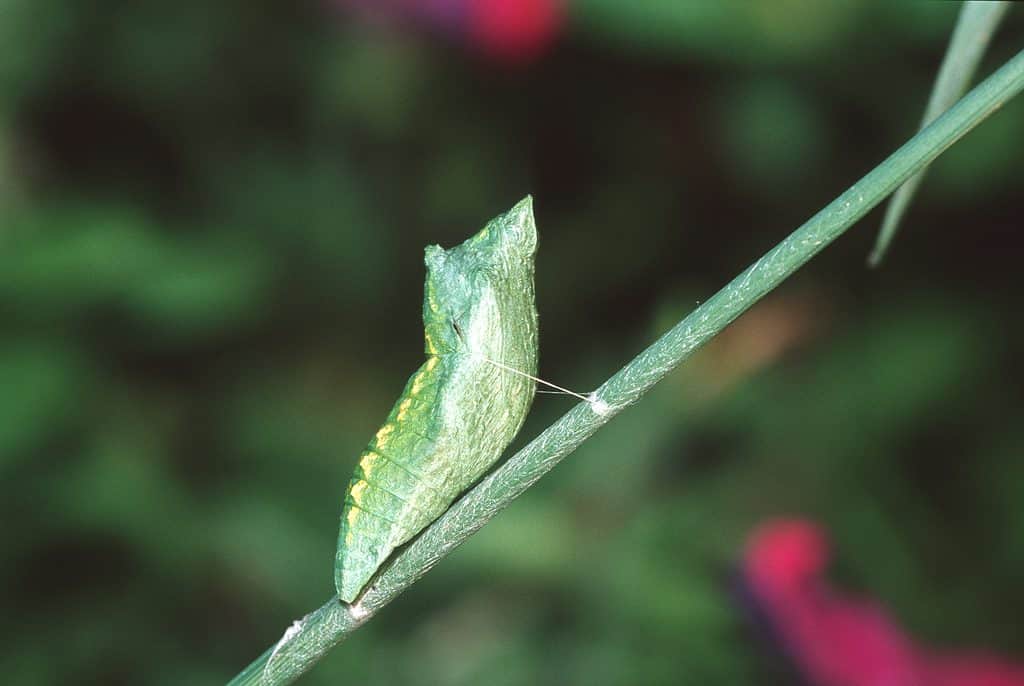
{"x":459,"y":411}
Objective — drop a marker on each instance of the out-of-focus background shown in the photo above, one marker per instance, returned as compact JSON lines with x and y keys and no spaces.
{"x":210,"y":284}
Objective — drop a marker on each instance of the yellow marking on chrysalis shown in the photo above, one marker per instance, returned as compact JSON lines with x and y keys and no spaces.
{"x":431,"y":363}
{"x":366,"y":464}
{"x":431,"y":348}
{"x":383,"y":433}
{"x":417,"y":383}
{"x":431,"y":301}
{"x":357,"y":490}
{"x":403,"y":409}
{"x":353,"y":515}
{"x":482,"y":236}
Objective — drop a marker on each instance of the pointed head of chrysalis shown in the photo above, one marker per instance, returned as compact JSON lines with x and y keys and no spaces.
{"x":466,"y":285}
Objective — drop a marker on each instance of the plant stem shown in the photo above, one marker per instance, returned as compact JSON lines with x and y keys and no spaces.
{"x":310,"y":638}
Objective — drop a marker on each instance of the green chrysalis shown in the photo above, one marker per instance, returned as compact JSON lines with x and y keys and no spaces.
{"x":461,"y":409}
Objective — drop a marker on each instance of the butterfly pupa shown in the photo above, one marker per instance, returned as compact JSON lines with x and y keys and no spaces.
{"x":458,"y":412}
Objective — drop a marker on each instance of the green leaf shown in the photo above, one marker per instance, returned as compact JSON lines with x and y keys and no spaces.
{"x":974,"y":29}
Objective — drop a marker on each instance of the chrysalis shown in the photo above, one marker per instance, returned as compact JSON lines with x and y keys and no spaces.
{"x":459,"y":411}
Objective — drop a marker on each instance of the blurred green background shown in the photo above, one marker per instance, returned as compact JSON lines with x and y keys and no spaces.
{"x":210,"y":286}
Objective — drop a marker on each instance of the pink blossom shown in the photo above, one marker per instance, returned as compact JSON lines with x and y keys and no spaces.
{"x":508,"y":30}
{"x":837,"y":639}
{"x":514,"y":29}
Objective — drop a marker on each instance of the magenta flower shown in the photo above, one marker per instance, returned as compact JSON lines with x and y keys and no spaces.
{"x":509,"y":30}
{"x":836,"y":639}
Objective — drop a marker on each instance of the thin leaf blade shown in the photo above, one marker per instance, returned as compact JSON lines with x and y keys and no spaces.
{"x":975,"y":27}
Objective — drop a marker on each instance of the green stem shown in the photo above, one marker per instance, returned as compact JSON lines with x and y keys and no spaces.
{"x":314,"y":635}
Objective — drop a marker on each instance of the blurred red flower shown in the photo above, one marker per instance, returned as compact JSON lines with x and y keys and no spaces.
{"x":509,"y":30}
{"x":835,"y":639}
{"x":514,"y":29}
